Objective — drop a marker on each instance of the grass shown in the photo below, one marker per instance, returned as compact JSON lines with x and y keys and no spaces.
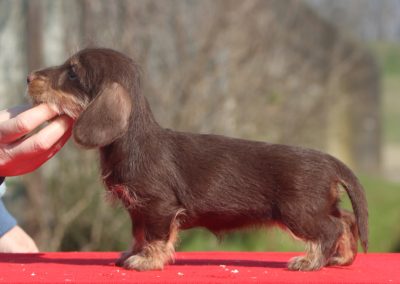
{"x":383,"y":199}
{"x":391,"y":105}
{"x":388,"y":56}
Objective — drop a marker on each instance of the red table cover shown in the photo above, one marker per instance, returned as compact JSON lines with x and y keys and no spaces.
{"x":192,"y":267}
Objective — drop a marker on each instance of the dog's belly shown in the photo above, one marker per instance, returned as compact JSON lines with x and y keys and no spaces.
{"x":218,"y":222}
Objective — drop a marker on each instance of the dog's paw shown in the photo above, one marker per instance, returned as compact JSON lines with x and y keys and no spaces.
{"x":303,"y":263}
{"x":340,"y":260}
{"x":142,"y":263}
{"x":124,"y":256}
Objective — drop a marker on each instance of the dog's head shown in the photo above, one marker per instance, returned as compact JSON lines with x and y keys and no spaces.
{"x":96,"y":87}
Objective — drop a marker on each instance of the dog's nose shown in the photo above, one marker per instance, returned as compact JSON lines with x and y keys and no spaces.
{"x":30,"y":78}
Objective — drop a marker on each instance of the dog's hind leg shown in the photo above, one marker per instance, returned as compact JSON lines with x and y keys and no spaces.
{"x":346,"y":250}
{"x":310,"y":261}
{"x":321,"y":245}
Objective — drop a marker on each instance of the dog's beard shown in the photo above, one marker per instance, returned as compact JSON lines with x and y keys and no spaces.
{"x":60,"y":102}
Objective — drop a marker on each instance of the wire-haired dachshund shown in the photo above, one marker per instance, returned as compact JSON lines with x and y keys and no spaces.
{"x":170,"y":180}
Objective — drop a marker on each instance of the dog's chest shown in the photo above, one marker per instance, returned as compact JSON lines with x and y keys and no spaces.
{"x":123,"y":194}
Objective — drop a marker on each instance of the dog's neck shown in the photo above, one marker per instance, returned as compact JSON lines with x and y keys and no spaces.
{"x":128,"y":155}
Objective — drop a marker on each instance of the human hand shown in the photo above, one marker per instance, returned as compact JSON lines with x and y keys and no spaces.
{"x":20,"y":155}
{"x":17,"y":240}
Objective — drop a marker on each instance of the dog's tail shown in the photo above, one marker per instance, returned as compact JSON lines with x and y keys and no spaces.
{"x":358,"y":200}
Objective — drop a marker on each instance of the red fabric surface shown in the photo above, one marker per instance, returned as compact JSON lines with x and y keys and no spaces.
{"x":192,"y":267}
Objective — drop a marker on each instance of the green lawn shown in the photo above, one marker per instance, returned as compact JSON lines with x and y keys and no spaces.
{"x":391,"y":108}
{"x":388,"y":56}
{"x":384,"y":208}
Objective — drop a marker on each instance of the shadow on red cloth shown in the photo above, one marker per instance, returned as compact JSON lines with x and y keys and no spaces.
{"x":230,"y":262}
{"x":39,"y":258}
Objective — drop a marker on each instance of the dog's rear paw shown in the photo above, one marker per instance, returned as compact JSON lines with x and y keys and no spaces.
{"x":304,"y":264}
{"x":142,"y":263}
{"x":340,"y":260}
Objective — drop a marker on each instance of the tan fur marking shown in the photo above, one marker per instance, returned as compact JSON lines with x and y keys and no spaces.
{"x":154,"y":255}
{"x":313,"y":260}
{"x":347,"y":244}
{"x":63,"y":103}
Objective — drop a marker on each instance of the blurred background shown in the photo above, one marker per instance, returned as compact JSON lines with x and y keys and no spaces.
{"x":318,"y":73}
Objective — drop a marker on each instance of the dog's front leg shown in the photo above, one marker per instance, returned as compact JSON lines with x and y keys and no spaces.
{"x":153,"y":245}
{"x":137,"y":243}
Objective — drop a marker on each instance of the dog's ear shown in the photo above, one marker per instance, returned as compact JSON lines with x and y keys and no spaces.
{"x":105,"y":119}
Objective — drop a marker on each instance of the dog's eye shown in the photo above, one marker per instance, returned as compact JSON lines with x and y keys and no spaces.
{"x":72,"y":75}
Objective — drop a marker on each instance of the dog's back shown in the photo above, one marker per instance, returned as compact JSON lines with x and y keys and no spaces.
{"x":171,"y":180}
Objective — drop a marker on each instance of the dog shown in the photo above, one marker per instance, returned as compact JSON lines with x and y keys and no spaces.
{"x":170,"y":181}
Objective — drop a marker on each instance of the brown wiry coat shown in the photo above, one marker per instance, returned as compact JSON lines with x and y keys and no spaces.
{"x":171,"y":180}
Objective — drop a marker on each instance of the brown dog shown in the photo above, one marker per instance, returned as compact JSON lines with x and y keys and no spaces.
{"x":170,"y":180}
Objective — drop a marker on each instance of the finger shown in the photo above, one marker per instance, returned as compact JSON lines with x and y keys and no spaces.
{"x":12,"y":112}
{"x":24,"y":165}
{"x":59,"y":144}
{"x":25,"y":122}
{"x":44,"y":140}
